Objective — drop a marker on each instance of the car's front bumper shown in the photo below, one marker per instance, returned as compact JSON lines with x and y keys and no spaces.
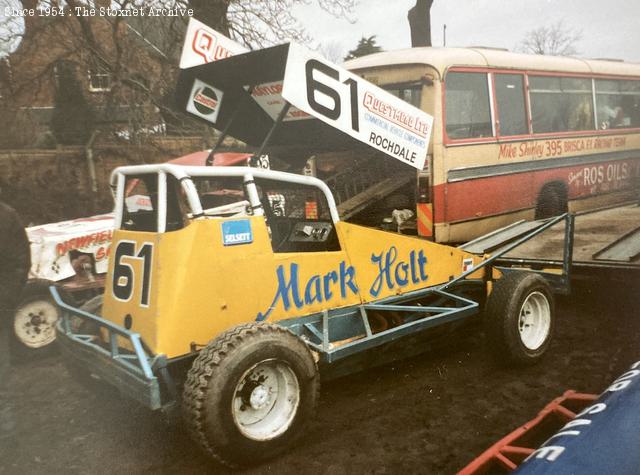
{"x":132,"y":372}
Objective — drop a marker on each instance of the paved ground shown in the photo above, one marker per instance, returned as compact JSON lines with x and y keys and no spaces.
{"x":427,"y":414}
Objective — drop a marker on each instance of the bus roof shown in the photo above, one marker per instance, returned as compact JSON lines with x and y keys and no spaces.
{"x":443,"y":58}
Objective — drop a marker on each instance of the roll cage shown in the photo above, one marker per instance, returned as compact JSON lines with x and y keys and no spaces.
{"x":184,"y":176}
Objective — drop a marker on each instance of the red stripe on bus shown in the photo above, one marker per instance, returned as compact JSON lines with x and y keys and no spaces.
{"x":481,"y":197}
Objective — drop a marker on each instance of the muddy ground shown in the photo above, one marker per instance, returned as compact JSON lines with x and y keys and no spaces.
{"x":430,"y":413}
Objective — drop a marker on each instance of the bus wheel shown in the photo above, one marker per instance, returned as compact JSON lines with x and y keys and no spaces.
{"x":250,"y":393}
{"x":520,"y":316}
{"x":34,"y":321}
{"x":552,"y":201}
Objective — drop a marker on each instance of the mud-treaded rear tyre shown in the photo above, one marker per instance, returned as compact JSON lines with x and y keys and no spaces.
{"x":520,"y":318}
{"x":34,"y":320}
{"x":250,"y":394}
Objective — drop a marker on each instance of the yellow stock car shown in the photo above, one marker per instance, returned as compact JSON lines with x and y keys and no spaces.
{"x":244,"y":279}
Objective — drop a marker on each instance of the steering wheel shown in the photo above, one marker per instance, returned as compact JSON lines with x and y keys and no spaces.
{"x":280,"y":231}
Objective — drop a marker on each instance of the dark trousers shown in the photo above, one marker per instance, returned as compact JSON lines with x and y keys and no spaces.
{"x":7,"y":417}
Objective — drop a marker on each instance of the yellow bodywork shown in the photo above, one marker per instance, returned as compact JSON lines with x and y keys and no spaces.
{"x":199,"y":287}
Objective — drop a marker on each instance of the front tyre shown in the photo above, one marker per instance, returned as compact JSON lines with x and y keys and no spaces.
{"x":34,"y":319}
{"x":520,"y":317}
{"x":250,"y":393}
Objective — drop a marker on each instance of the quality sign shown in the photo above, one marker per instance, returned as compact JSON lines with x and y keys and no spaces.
{"x":204,"y":45}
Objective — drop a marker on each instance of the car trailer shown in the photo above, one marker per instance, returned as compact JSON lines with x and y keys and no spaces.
{"x":606,"y":240}
{"x":223,"y":310}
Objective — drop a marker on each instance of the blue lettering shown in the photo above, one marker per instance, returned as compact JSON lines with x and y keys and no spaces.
{"x":312,"y":292}
{"x":392,"y":273}
{"x":412,"y":262}
{"x":317,"y":288}
{"x":384,"y":270}
{"x":284,"y":289}
{"x":404,"y":268}
{"x":347,"y":274}
{"x":422,"y":262}
{"x":328,"y":278}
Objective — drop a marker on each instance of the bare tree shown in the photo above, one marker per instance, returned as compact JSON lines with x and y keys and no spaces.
{"x":420,"y":23}
{"x":115,"y":43}
{"x":332,"y":50}
{"x":10,"y":27}
{"x":262,"y":23}
{"x":556,"y":39}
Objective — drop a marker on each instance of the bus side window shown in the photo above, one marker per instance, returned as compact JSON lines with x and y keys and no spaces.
{"x":409,"y":94}
{"x":617,"y":103}
{"x":510,"y":98}
{"x":467,"y":105}
{"x":560,"y":104}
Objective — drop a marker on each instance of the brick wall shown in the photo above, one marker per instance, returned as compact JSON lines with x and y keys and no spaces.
{"x":53,"y":185}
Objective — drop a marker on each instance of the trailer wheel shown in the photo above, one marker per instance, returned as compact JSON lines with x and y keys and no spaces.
{"x":250,"y":393}
{"x":34,"y":320}
{"x":520,"y":315}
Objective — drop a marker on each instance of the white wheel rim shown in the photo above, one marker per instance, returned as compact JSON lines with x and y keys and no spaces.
{"x":534,"y":320}
{"x":34,"y":323}
{"x":265,"y":400}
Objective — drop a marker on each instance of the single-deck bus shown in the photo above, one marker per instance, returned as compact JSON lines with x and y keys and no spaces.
{"x":515,"y":136}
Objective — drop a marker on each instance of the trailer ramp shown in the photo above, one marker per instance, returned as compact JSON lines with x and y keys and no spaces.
{"x":625,"y":249}
{"x":606,"y":239}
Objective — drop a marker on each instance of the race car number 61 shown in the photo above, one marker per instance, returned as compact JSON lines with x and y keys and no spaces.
{"x":124,"y":272}
{"x":313,"y":86}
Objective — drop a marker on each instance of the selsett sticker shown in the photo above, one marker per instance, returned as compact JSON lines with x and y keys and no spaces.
{"x":356,"y":107}
{"x":237,"y":232}
{"x":204,"y":101}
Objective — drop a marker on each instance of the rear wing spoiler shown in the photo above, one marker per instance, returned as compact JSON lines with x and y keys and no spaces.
{"x":287,"y":95}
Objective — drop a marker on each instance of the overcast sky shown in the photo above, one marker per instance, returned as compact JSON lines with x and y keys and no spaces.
{"x":609,"y":28}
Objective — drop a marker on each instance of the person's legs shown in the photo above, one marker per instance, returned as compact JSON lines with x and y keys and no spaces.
{"x":7,"y":416}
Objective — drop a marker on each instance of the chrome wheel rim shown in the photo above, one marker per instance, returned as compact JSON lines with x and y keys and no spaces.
{"x":265,"y":400}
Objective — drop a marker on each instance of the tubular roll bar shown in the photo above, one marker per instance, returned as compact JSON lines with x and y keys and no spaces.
{"x":184,"y":174}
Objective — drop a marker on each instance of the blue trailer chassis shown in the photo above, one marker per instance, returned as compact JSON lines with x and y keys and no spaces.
{"x":333,"y":334}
